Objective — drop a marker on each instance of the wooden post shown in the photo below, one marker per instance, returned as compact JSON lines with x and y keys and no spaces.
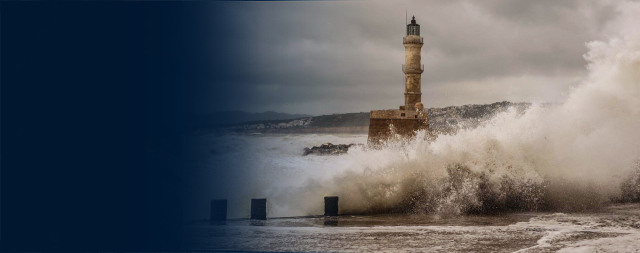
{"x":218,"y":211}
{"x":331,"y":206}
{"x":258,"y":209}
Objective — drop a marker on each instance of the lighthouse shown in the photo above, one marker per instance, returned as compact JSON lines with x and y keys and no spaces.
{"x":410,"y":117}
{"x":412,"y":67}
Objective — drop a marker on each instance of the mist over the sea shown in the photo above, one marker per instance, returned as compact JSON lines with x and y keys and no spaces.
{"x":574,"y":155}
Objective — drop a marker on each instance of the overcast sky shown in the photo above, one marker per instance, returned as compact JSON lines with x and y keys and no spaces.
{"x":321,"y":57}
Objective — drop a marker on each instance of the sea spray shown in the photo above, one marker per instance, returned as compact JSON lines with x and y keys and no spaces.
{"x":571,"y":156}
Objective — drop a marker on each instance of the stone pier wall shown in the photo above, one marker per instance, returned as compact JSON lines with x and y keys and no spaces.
{"x":387,"y":124}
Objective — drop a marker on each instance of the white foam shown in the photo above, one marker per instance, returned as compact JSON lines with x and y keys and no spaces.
{"x":578,"y":152}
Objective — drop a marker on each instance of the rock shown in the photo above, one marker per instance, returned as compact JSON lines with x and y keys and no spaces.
{"x":328,"y":149}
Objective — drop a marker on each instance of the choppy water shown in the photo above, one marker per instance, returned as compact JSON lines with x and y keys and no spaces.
{"x":580,"y":155}
{"x":571,"y":156}
{"x":610,"y":229}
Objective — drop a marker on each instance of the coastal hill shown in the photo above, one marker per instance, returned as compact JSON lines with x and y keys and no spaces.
{"x":445,"y":120}
{"x":225,"y":119}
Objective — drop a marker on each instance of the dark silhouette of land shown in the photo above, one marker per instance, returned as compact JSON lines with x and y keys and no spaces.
{"x":444,"y":120}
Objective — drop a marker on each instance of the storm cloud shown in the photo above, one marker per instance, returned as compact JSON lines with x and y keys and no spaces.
{"x":319,"y":57}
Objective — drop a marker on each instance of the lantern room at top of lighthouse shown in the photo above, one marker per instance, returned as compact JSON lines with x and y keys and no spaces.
{"x":413,"y":28}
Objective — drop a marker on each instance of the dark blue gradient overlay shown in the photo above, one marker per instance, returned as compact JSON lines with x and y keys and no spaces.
{"x":95,"y":99}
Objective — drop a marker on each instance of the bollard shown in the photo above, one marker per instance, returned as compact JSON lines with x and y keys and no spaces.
{"x":258,"y":209}
{"x":331,"y":206}
{"x":218,"y":211}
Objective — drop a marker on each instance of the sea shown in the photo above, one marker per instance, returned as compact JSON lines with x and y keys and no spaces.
{"x":560,"y":178}
{"x":272,"y":166}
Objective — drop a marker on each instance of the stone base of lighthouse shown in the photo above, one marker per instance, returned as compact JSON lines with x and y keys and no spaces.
{"x":388,"y":124}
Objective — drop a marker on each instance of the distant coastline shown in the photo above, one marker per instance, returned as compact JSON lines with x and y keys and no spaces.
{"x":444,"y":120}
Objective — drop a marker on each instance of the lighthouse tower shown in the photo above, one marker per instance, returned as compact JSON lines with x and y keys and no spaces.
{"x":412,"y":68}
{"x":411,"y":117}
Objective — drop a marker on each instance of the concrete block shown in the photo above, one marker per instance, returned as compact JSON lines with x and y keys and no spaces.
{"x":331,"y":206}
{"x":259,"y":209}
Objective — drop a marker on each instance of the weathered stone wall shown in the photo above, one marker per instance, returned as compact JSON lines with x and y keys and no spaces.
{"x":412,"y":93}
{"x":412,"y":47}
{"x":413,"y":70}
{"x":398,"y":114}
{"x":385,"y":124}
{"x":381,"y":130}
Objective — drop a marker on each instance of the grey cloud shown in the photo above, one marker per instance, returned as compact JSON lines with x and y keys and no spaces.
{"x":327,"y":57}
